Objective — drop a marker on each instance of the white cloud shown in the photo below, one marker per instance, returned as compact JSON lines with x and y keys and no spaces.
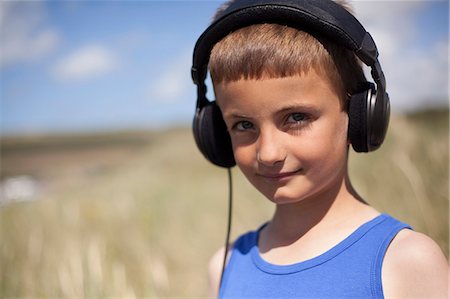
{"x":417,"y":76}
{"x":25,"y":36}
{"x":385,"y":11}
{"x":391,"y":23}
{"x":175,"y":81}
{"x":418,"y":79}
{"x":86,"y":62}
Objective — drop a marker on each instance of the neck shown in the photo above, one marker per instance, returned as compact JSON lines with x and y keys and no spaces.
{"x":329,"y":208}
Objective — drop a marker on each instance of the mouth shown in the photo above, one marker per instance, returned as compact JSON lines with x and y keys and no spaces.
{"x":280,"y":175}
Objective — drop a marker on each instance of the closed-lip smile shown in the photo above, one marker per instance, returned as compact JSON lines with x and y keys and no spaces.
{"x":279,"y":175}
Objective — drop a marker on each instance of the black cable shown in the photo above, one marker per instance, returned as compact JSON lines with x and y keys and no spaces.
{"x":230,"y":212}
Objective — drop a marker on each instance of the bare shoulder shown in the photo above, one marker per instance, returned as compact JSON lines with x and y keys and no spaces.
{"x":414,"y":266}
{"x":215,"y":271}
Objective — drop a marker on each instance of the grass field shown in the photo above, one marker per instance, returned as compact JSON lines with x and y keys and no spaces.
{"x":139,"y":214}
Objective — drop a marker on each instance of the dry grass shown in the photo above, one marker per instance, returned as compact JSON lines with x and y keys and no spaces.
{"x":144,"y":221}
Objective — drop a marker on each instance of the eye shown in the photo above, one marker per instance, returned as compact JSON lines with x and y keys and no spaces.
{"x":297,"y":117}
{"x":243,"y":126}
{"x":298,"y":121}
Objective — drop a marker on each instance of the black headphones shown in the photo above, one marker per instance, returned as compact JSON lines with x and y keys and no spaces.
{"x":369,"y":109}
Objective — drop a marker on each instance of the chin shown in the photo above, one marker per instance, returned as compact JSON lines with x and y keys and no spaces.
{"x":283,"y":197}
{"x":284,"y":201}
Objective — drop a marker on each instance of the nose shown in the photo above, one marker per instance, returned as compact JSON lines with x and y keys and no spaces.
{"x":270,"y":150}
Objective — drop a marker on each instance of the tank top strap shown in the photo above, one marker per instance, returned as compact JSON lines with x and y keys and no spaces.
{"x":385,"y":232}
{"x":241,"y":248}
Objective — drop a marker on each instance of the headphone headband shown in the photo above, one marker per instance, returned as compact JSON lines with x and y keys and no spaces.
{"x":323,"y":17}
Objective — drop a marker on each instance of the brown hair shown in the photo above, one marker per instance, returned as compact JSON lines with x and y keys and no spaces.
{"x":271,"y":50}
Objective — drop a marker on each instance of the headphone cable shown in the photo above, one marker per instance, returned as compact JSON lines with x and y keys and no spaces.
{"x":230,"y":212}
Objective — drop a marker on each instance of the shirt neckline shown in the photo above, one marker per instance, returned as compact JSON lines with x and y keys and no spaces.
{"x":322,"y":258}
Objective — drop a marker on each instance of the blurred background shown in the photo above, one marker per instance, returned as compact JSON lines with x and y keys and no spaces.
{"x":102,"y":190}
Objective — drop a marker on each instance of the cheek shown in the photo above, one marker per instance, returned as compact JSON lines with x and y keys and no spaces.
{"x":334,"y":131}
{"x":244,"y":156}
{"x":339,"y":136}
{"x":342,"y":130}
{"x":328,"y":146}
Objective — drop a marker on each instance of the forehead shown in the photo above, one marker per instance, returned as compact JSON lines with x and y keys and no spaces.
{"x":263,"y":96}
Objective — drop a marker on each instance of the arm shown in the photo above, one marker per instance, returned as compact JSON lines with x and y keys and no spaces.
{"x":215,"y":271}
{"x":415,"y":267}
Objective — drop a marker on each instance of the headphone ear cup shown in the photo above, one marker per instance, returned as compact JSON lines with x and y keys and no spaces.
{"x":357,"y":121}
{"x":379,"y":120}
{"x":211,"y":136}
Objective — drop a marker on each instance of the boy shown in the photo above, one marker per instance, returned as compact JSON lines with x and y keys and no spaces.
{"x":286,"y":97}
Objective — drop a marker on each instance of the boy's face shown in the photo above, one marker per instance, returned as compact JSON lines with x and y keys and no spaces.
{"x":289,"y":134}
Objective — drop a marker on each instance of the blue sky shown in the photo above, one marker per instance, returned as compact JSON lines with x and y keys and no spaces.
{"x":107,"y":65}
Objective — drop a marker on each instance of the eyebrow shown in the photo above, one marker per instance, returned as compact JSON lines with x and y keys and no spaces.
{"x":298,"y":107}
{"x":235,"y":115}
{"x":290,"y":107}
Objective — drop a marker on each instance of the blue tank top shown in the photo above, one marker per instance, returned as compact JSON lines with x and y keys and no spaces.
{"x":351,"y":269}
